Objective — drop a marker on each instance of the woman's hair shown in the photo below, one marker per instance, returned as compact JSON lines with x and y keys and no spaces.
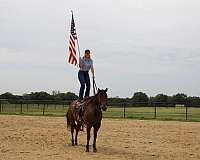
{"x":87,"y":51}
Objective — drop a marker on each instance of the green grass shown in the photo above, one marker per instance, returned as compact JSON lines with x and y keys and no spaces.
{"x":34,"y":109}
{"x":162,"y":113}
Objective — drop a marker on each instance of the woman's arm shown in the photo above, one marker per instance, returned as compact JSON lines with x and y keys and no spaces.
{"x":92,"y":70}
{"x":81,"y":64}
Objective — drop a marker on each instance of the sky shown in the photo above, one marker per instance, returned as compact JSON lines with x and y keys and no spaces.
{"x":151,"y":46}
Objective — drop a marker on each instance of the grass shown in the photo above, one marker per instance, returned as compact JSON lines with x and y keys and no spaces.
{"x":162,"y":113}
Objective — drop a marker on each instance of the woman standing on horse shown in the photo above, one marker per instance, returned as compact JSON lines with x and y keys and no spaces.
{"x":85,"y":64}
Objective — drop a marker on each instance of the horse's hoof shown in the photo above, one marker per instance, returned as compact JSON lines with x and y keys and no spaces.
{"x":95,"y":150}
{"x":76,"y":143}
{"x":87,"y":150}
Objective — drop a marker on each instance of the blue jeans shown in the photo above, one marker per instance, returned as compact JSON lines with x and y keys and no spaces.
{"x":84,"y":79}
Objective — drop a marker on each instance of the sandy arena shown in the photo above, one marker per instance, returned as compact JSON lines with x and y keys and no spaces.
{"x":46,"y":138}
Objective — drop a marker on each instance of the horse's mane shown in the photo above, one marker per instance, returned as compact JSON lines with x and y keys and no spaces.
{"x":91,"y":99}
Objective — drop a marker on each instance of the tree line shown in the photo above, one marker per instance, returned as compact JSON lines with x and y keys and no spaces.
{"x":54,"y":96}
{"x":141,"y":97}
{"x":138,"y":97}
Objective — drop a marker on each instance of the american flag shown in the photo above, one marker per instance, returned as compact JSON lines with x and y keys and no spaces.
{"x":72,"y":44}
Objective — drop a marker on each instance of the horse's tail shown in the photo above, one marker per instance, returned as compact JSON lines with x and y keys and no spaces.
{"x":68,"y":121}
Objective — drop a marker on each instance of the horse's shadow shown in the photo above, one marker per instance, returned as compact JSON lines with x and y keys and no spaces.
{"x":108,"y":151}
{"x":113,"y":151}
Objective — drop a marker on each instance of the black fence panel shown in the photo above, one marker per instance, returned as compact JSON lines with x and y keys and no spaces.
{"x":144,"y":110}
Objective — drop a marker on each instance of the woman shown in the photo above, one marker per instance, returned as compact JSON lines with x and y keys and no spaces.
{"x":85,"y":65}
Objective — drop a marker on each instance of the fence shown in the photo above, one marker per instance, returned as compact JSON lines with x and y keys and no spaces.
{"x":37,"y":107}
{"x":155,"y":110}
{"x":150,"y":110}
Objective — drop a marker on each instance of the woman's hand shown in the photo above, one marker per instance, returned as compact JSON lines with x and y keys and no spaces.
{"x":92,"y":70}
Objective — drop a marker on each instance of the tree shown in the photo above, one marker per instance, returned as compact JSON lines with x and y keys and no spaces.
{"x":38,"y":96}
{"x":161,"y":98}
{"x":11,"y":98}
{"x":140,"y":97}
{"x":193,"y":101}
{"x":115,"y":101}
{"x":55,"y":92}
{"x":65,"y":96}
{"x":8,"y":95}
{"x":179,"y":98}
{"x":71,"y":96}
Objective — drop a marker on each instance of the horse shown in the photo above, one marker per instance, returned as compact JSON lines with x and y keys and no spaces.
{"x":91,"y":116}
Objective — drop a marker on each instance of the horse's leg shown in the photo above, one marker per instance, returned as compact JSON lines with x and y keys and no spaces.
{"x":88,"y":138}
{"x":72,"y":133}
{"x":76,"y":136}
{"x":78,"y":126}
{"x":96,"y":128}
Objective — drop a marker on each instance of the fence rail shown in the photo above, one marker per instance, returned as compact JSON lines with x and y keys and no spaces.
{"x":146,"y":110}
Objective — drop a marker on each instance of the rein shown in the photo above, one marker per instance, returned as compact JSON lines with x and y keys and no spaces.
{"x":94,"y":86}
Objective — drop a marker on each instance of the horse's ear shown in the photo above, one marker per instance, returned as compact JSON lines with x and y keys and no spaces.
{"x":106,"y":90}
{"x":98,"y":90}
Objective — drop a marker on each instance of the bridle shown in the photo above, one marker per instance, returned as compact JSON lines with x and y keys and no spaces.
{"x":99,"y":100}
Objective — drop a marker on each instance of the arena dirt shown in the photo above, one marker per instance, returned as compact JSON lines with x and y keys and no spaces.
{"x":47,"y":138}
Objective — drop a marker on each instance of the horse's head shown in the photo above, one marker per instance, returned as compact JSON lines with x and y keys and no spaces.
{"x":102,"y":98}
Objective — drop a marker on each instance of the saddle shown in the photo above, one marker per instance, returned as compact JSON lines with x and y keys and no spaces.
{"x":80,"y":108}
{"x":80,"y":104}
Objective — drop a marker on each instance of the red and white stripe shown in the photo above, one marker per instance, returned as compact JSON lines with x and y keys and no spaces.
{"x":72,"y":50}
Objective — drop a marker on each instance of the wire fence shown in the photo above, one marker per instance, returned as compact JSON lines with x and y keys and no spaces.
{"x":147,"y":110}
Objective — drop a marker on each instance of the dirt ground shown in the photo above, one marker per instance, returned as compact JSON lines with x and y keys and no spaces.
{"x":46,"y":138}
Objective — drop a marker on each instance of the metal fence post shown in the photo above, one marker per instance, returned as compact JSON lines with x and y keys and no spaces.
{"x":21,"y":109}
{"x":186,"y":111}
{"x":27,"y":107}
{"x":43,"y":109}
{"x":124,"y":109}
{"x":0,"y":106}
{"x":155,"y":111}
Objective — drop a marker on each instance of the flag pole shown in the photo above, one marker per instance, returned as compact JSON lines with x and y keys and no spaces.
{"x":79,"y":53}
{"x":78,"y":48}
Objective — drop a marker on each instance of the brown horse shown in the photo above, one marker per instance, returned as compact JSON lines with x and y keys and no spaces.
{"x":91,"y":116}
